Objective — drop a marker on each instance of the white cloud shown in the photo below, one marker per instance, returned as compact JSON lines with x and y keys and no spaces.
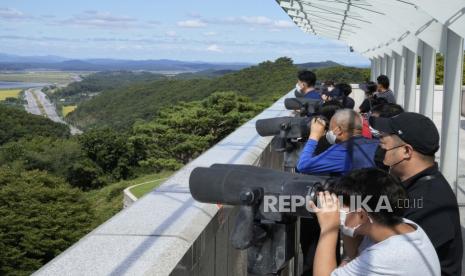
{"x":214,"y":48}
{"x":256,"y":20}
{"x":9,"y":13}
{"x":101,"y":20}
{"x":209,"y":33}
{"x":194,"y":23}
{"x":283,"y":24}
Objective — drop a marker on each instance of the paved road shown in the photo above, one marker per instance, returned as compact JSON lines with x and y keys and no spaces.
{"x":32,"y":106}
{"x":50,"y":110}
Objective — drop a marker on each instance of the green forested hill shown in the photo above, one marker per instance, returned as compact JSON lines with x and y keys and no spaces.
{"x":119,"y":108}
{"x":341,"y":73}
{"x":16,"y":124}
{"x":101,"y":81}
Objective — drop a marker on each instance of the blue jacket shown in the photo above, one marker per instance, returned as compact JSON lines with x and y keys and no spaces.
{"x":337,"y":159}
{"x":313,"y":95}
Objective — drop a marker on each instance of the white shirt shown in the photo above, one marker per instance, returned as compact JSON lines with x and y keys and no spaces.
{"x":406,"y":254}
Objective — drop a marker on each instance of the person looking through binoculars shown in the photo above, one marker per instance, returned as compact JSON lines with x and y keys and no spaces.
{"x":349,"y":150}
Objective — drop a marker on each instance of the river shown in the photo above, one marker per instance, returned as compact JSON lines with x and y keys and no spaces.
{"x":19,"y":85}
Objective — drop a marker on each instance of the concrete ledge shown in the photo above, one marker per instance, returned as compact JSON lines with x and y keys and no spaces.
{"x":168,"y":227}
{"x":128,"y":197}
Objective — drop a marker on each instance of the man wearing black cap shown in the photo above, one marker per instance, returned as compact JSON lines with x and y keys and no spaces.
{"x":411,"y":141}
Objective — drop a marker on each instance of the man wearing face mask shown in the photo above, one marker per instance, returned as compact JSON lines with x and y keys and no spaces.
{"x":349,"y":150}
{"x":306,"y":85}
{"x":411,"y":141}
{"x":391,"y":244}
{"x":385,"y":110}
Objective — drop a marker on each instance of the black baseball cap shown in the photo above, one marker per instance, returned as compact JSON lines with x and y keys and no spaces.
{"x":336,"y":93}
{"x":413,"y":128}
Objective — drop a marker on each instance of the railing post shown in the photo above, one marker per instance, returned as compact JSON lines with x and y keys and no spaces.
{"x":410,"y":80}
{"x":399,"y":85}
{"x":453,"y":68}
{"x":427,"y":80}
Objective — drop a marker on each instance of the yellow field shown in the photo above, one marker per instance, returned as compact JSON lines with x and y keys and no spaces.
{"x":67,"y":109}
{"x":9,"y":93}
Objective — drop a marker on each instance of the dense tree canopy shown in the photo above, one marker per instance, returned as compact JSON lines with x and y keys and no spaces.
{"x":16,"y":124}
{"x":342,"y":74}
{"x":181,"y":133}
{"x":41,"y":216}
{"x":110,"y":150}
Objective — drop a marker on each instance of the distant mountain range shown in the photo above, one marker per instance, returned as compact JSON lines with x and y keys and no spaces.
{"x":14,"y":62}
{"x":315,"y":65}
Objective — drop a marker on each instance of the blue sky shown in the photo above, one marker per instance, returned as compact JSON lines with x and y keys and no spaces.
{"x":206,"y":30}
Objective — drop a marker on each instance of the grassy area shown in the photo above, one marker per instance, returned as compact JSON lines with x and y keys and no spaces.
{"x":108,"y":200}
{"x":9,"y":93}
{"x":59,"y":77}
{"x":148,"y":186}
{"x":67,"y":109}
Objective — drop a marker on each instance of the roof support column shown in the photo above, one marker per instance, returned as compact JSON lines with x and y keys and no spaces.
{"x":410,"y":81}
{"x":373,"y":69}
{"x":399,"y":85}
{"x":377,"y":67}
{"x":390,"y":69}
{"x":427,"y":79}
{"x":453,"y":63}
{"x":383,"y":65}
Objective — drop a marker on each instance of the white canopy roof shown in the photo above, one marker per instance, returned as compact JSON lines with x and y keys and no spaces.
{"x":377,"y":27}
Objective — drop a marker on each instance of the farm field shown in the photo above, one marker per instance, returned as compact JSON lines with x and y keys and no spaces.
{"x":53,"y":77}
{"x":67,"y":109}
{"x":9,"y":93}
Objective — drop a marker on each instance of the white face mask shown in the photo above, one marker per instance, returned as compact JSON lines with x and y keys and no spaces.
{"x":331,"y":137}
{"x":348,"y":231}
{"x":298,"y":88}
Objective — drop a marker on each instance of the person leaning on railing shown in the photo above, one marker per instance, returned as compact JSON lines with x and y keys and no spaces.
{"x":349,"y":150}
